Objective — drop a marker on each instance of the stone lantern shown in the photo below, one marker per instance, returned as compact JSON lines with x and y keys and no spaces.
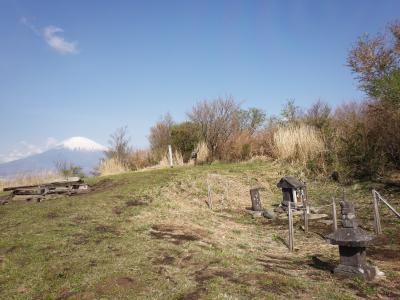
{"x":352,"y":242}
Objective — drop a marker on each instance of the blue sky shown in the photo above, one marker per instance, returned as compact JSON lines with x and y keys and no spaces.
{"x":84,"y":68}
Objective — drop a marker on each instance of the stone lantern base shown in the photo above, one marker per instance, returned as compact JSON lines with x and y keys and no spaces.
{"x":353,"y":263}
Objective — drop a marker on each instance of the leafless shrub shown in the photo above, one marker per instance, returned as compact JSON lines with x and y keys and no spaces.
{"x":160,"y":136}
{"x":119,"y":149}
{"x":239,"y":147}
{"x":217,"y":121}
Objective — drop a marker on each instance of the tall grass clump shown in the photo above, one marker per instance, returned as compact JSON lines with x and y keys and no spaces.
{"x":177,"y":159}
{"x":140,"y":159}
{"x":111,"y":166}
{"x":297,"y":143}
{"x":203,"y":154}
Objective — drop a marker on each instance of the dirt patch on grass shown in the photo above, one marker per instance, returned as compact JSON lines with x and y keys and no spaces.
{"x":385,"y":248}
{"x":136,"y":202}
{"x":125,"y":282}
{"x":206,"y":274}
{"x":195,"y":295}
{"x":164,"y":260}
{"x":109,"y":285}
{"x":176,"y":234}
{"x":80,"y":219}
{"x":202,"y":276}
{"x":106,"y":184}
{"x":11,"y":249}
{"x":52,"y":215}
{"x":383,"y":254}
{"x":80,"y":239}
{"x":117,"y":210}
{"x":106,"y":229}
{"x":66,"y":295}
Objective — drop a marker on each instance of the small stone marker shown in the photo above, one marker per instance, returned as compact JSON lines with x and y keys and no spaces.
{"x":352,"y":242}
{"x":255,"y":199}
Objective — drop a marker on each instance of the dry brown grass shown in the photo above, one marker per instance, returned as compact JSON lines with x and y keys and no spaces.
{"x":140,"y":159}
{"x":203,"y":153}
{"x":177,"y":160}
{"x":297,"y":143}
{"x":239,"y":147}
{"x":29,"y":179}
{"x":111,"y":166}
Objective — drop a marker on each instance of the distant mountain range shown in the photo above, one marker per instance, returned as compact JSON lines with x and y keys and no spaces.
{"x":79,"y":151}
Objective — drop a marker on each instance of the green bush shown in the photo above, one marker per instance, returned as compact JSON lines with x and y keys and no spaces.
{"x":185,"y":137}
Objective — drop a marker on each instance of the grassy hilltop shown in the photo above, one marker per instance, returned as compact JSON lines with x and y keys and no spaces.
{"x":150,"y":235}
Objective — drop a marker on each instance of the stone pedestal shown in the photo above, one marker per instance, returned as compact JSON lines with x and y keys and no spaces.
{"x":353,"y":262}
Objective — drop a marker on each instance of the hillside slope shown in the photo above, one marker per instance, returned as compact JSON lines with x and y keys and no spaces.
{"x":150,"y":235}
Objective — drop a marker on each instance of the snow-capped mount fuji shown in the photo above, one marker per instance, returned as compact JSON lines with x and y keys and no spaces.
{"x":80,"y":143}
{"x":79,"y":151}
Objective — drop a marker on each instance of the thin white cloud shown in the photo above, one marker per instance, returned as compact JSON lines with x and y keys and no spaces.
{"x":52,"y":35}
{"x":25,"y":149}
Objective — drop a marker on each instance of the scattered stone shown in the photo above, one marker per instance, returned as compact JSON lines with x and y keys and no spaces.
{"x":279,"y":210}
{"x":3,"y":201}
{"x":37,"y":193}
{"x":269,"y":214}
{"x":254,"y":213}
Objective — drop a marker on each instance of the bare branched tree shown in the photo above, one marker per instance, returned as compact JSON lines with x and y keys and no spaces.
{"x":318,"y":114}
{"x":217,"y":121}
{"x":160,"y":136}
{"x":119,"y":145}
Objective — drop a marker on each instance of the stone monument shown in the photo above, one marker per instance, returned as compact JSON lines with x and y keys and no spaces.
{"x":352,"y":242}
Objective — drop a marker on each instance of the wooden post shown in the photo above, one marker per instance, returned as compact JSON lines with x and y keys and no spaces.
{"x":305,"y":208}
{"x":171,"y":164}
{"x":380,"y":198}
{"x":290,"y":217}
{"x":334,"y":216}
{"x":306,"y":194}
{"x":209,"y":196}
{"x":377,"y":218}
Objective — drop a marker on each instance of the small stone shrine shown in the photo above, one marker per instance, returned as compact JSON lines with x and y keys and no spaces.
{"x":352,"y":242}
{"x":293,"y":190}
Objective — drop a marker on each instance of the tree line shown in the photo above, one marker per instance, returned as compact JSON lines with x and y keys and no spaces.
{"x":357,"y":139}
